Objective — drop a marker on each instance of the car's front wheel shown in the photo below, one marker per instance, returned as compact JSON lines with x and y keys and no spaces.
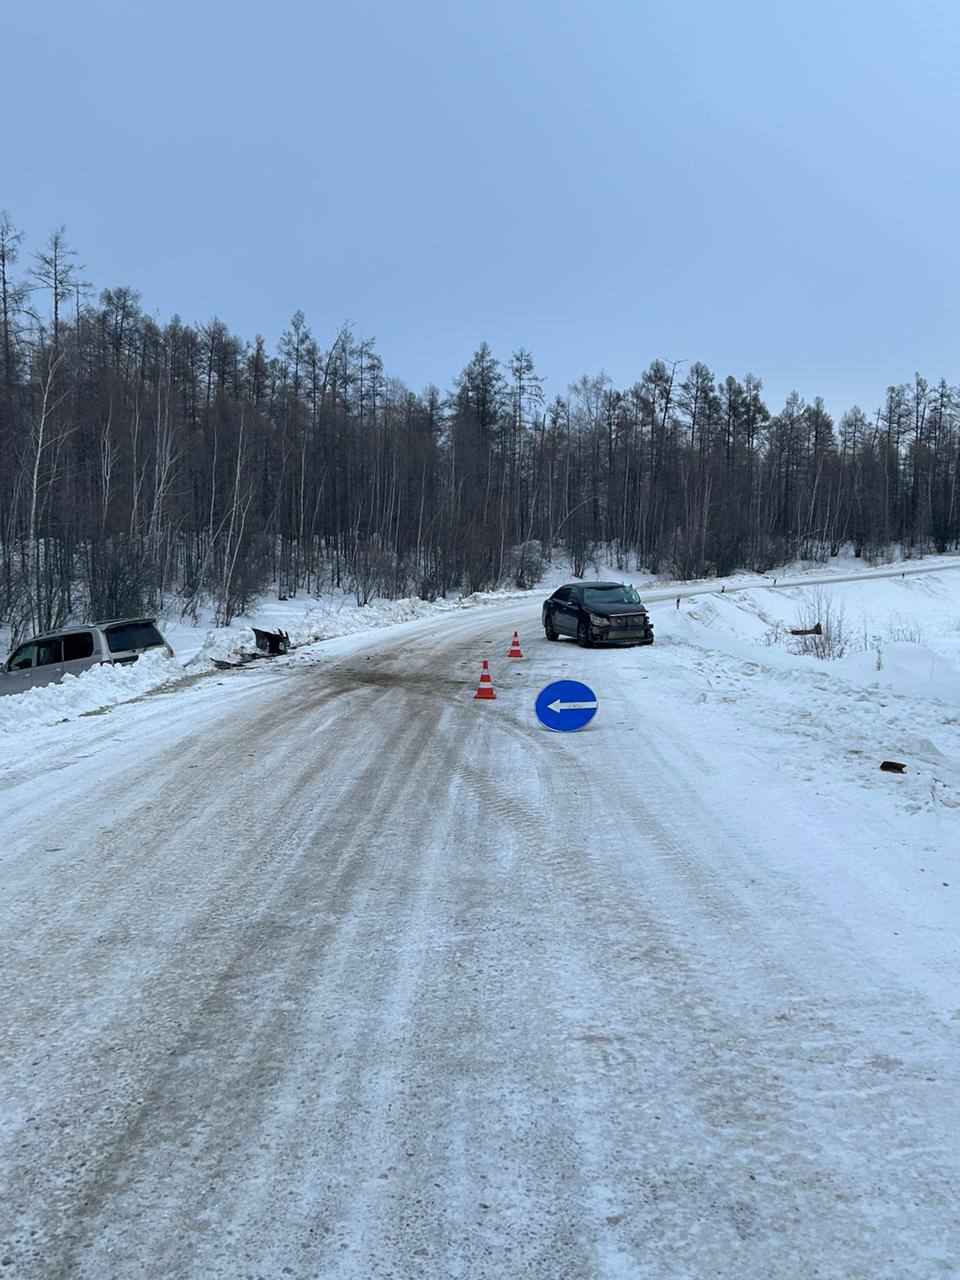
{"x":583,"y":634}
{"x":548,"y":629}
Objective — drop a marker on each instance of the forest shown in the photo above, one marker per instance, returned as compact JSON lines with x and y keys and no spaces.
{"x":149,"y":468}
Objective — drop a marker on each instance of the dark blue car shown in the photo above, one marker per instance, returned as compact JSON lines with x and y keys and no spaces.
{"x":597,"y":613}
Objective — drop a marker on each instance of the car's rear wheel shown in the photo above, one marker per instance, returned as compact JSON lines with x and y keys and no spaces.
{"x":583,"y":635}
{"x":548,"y":630}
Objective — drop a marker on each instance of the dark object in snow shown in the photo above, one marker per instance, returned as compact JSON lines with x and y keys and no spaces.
{"x":271,"y":641}
{"x":269,"y":644}
{"x":893,"y":766}
{"x":811,"y":631}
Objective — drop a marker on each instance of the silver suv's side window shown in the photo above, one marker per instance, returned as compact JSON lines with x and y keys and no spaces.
{"x":78,"y":645}
{"x":23,"y":657}
{"x":50,"y":652}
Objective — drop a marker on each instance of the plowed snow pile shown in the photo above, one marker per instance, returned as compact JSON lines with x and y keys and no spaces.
{"x":94,"y":690}
{"x":199,"y":648}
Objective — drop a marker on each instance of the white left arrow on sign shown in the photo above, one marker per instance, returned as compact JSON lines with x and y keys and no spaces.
{"x":559,"y":706}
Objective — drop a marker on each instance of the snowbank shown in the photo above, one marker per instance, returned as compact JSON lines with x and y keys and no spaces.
{"x":330,"y":619}
{"x":906,"y":668}
{"x":894,"y":632}
{"x":93,"y":691}
{"x":198,"y":649}
{"x":827,"y":723}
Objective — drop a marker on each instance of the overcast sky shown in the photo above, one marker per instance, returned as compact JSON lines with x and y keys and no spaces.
{"x":766,"y":187}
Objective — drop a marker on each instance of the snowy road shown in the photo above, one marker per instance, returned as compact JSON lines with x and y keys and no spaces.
{"x":323,"y":969}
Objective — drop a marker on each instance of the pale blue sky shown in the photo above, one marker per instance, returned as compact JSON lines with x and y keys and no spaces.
{"x":762,"y":186}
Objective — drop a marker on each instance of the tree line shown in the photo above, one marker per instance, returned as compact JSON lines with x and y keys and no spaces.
{"x":147,"y":467}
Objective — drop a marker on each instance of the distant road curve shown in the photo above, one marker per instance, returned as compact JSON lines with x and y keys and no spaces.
{"x":773,"y":582}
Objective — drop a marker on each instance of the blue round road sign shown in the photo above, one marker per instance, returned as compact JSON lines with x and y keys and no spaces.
{"x":566,"y":705}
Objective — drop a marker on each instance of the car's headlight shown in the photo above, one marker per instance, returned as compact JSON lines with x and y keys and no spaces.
{"x":599,"y":622}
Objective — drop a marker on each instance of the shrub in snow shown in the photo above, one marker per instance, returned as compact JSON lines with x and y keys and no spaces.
{"x":900,"y":628}
{"x":372,"y":571}
{"x":525,"y":564}
{"x":833,"y":641}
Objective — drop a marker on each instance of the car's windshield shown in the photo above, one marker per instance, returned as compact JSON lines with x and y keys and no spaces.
{"x":133,"y":635}
{"x":22,"y":657}
{"x":597,"y":597}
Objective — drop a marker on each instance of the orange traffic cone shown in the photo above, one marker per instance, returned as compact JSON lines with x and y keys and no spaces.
{"x":486,"y":684}
{"x":514,"y":650}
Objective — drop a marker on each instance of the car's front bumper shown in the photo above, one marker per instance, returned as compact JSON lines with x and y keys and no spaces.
{"x":621,"y":635}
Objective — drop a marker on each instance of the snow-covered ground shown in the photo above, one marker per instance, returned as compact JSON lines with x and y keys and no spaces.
{"x":321,"y":968}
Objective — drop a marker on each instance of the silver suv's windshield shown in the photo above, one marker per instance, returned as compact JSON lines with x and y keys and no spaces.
{"x":597,"y":597}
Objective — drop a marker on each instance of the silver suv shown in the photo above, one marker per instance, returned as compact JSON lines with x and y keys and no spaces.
{"x":46,"y":659}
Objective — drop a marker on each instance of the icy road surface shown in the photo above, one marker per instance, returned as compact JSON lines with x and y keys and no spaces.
{"x":323,"y":969}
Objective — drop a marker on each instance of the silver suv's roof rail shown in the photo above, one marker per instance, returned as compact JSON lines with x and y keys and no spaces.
{"x":112,"y":622}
